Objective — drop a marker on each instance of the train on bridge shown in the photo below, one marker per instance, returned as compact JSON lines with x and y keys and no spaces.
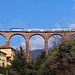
{"x":42,"y":30}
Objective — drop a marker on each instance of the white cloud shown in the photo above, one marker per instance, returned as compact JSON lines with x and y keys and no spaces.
{"x":57,"y":25}
{"x":22,"y":44}
{"x":72,"y":26}
{"x":37,"y":43}
{"x":51,"y":41}
{"x":54,"y":39}
{"x":16,"y":47}
{"x":34,"y":43}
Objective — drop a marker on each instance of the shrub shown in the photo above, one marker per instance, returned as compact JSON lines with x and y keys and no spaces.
{"x":2,"y":70}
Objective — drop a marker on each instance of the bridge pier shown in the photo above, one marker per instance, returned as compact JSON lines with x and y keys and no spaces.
{"x":66,"y":36}
{"x":46,"y":47}
{"x":7,"y":41}
{"x":27,"y":51}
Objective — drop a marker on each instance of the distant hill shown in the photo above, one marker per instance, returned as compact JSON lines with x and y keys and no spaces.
{"x":37,"y":52}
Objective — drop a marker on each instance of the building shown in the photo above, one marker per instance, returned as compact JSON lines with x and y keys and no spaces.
{"x":10,"y":53}
{"x":3,"y":61}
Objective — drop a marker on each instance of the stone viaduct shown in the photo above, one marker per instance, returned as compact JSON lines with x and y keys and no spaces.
{"x":27,"y":36}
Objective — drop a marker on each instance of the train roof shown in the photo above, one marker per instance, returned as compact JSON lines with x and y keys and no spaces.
{"x":16,"y":28}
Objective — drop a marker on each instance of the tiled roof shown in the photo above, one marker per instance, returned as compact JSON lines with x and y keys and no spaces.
{"x":5,"y":46}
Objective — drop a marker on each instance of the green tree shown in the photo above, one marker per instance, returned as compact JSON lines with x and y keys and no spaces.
{"x":34,"y":66}
{"x":61,"y":60}
{"x":19,"y":63}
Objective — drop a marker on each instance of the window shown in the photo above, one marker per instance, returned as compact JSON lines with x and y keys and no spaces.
{"x":11,"y":54}
{"x":3,"y":62}
{"x":0,"y":53}
{"x":3,"y":50}
{"x":4,"y":55}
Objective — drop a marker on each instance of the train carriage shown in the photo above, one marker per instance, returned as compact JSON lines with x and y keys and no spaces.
{"x":42,"y":30}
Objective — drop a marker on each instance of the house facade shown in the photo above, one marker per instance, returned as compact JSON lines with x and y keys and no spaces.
{"x":10,"y":53}
{"x":3,"y":61}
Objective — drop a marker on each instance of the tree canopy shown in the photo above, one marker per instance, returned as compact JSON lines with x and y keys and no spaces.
{"x":60,"y":61}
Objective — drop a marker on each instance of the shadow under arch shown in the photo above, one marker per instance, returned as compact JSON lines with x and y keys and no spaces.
{"x":3,"y":40}
{"x":72,"y":37}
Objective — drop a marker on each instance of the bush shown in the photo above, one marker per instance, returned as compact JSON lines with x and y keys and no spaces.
{"x":2,"y":70}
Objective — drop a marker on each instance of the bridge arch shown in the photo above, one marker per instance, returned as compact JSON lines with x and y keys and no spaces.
{"x":56,"y":34}
{"x":36,"y":44}
{"x":21,"y":40}
{"x":72,"y":36}
{"x":37,"y":34}
{"x":3,"y":35}
{"x":3,"y":41}
{"x":16,"y":34}
{"x":54,"y":39}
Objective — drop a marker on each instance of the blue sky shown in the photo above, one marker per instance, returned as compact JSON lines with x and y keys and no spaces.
{"x":36,"y":14}
{"x":43,"y":14}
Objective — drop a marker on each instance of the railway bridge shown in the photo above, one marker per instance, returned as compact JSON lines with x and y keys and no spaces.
{"x":27,"y":35}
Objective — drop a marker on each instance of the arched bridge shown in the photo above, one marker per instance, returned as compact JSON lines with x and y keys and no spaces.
{"x":27,"y":35}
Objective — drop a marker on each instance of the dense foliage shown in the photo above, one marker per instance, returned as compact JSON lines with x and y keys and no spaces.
{"x":2,"y":70}
{"x":60,"y":61}
{"x":19,"y":63}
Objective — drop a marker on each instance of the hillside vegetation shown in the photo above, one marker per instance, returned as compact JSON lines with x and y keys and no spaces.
{"x":60,"y":61}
